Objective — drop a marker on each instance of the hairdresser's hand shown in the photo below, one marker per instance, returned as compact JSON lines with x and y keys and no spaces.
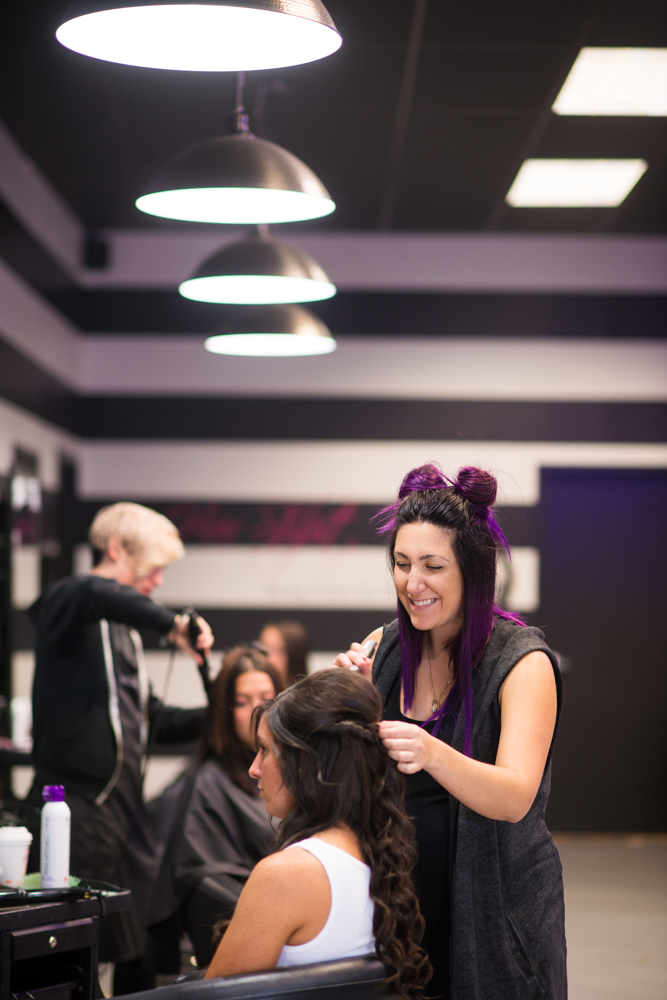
{"x":180,"y":637}
{"x":408,"y":745}
{"x":355,"y":659}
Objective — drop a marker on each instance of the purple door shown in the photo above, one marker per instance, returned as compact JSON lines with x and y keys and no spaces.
{"x":604,"y":607}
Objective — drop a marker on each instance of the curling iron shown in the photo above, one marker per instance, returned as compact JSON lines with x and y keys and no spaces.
{"x":194,"y":632}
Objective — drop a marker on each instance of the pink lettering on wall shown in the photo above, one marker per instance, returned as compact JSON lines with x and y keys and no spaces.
{"x":275,"y":524}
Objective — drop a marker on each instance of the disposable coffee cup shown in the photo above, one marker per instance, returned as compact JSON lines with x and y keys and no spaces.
{"x":15,"y":844}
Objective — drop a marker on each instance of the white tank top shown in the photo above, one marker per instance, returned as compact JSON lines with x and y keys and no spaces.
{"x":348,"y":931}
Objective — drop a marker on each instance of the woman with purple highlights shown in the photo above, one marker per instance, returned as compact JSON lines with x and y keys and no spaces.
{"x":472,"y":699}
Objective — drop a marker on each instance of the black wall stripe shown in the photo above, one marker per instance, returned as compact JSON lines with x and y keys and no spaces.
{"x":224,"y":418}
{"x":213,"y":418}
{"x":348,"y":313}
{"x":29,"y":259}
{"x":286,"y":524}
{"x":387,"y":314}
{"x":24,"y":383}
{"x":327,"y":629}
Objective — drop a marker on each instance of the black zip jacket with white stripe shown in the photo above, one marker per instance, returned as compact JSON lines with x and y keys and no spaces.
{"x":77,"y":734}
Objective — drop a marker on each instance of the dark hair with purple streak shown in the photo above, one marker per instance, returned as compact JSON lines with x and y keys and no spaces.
{"x":462,"y":506}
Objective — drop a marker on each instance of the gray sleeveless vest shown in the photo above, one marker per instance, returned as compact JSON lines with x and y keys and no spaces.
{"x":507,"y":913}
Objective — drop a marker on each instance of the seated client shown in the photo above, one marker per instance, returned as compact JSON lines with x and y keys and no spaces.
{"x":339,"y":885}
{"x":220,"y":827}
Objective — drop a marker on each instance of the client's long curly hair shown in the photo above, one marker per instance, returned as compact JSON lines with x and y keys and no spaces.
{"x":336,"y":767}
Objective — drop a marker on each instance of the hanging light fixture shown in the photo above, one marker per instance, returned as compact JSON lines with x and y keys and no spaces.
{"x":272,"y":331}
{"x":237,"y":179}
{"x":258,"y":270}
{"x":214,"y":35}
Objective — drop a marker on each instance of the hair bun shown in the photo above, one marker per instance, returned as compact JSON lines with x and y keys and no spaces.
{"x":425,"y":477}
{"x":477,"y":486}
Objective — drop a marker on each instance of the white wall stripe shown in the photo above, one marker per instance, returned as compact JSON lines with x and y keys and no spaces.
{"x":323,"y":577}
{"x":363,"y":367}
{"x":522,"y":578}
{"x":36,"y":329}
{"x":387,"y":368}
{"x":414,"y":262}
{"x":18,"y":427}
{"x":26,"y":571}
{"x":256,"y":576}
{"x":329,"y":471}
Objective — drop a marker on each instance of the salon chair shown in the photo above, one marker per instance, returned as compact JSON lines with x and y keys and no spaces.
{"x":344,"y":979}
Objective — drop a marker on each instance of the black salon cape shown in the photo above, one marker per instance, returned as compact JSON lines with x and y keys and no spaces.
{"x":218,"y":828}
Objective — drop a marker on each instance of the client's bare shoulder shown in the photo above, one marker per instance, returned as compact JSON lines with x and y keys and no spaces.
{"x":285,"y":873}
{"x":286,"y":900}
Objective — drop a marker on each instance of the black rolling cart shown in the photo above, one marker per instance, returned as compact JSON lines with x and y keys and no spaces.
{"x":48,"y":945}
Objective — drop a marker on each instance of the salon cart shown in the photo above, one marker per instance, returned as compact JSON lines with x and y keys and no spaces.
{"x":48,"y":948}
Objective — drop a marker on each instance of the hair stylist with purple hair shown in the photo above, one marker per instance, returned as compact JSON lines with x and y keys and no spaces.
{"x":472,"y":699}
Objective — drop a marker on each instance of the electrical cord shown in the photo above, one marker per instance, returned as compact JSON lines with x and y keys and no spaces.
{"x":204,"y":671}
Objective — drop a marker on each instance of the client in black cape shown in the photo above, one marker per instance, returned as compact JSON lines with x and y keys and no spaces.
{"x":220,"y":826}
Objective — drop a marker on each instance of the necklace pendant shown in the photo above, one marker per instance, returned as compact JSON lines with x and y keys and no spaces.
{"x":435,"y":705}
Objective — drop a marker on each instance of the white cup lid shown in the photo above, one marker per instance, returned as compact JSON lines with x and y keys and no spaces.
{"x":15,"y":835}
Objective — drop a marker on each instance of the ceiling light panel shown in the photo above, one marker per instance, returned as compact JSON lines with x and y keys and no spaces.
{"x":201,"y":37}
{"x":574,"y":183}
{"x":606,"y":81}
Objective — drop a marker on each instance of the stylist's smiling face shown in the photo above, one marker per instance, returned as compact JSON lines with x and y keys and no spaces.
{"x":265,"y":768}
{"x":427,"y":578}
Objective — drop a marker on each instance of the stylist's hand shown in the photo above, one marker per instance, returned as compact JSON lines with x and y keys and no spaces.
{"x":407,"y":744}
{"x":180,"y":636}
{"x":355,"y":659}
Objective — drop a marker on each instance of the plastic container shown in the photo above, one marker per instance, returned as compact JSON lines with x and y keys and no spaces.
{"x":15,"y":844}
{"x":55,"y":832}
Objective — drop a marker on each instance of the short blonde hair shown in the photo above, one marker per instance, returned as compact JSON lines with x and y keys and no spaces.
{"x":148,"y":537}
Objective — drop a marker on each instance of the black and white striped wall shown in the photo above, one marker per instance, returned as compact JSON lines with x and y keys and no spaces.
{"x":515,"y":352}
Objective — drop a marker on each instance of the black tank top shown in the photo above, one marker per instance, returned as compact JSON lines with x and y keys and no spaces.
{"x":427,"y":803}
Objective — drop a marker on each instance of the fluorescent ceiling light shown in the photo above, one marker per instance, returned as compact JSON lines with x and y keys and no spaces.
{"x":574,"y":183}
{"x":269,"y":345}
{"x":251,"y":289}
{"x":262,"y":34}
{"x":606,"y":81}
{"x":235,"y":205}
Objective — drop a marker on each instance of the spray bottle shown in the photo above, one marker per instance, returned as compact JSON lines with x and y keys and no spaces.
{"x":55,"y":831}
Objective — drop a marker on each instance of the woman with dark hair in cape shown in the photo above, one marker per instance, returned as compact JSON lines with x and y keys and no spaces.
{"x":219,"y":826}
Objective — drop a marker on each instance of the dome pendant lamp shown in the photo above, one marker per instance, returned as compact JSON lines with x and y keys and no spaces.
{"x":272,"y":331}
{"x":237,"y":179}
{"x":258,"y":270}
{"x":215,"y":35}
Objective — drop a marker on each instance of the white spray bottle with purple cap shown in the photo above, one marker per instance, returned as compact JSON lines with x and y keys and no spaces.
{"x":55,"y":831}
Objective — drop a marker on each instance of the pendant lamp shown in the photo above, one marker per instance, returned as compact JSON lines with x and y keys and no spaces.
{"x":237,"y":179}
{"x":213,"y":35}
{"x":272,"y":331}
{"x":258,"y":270}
